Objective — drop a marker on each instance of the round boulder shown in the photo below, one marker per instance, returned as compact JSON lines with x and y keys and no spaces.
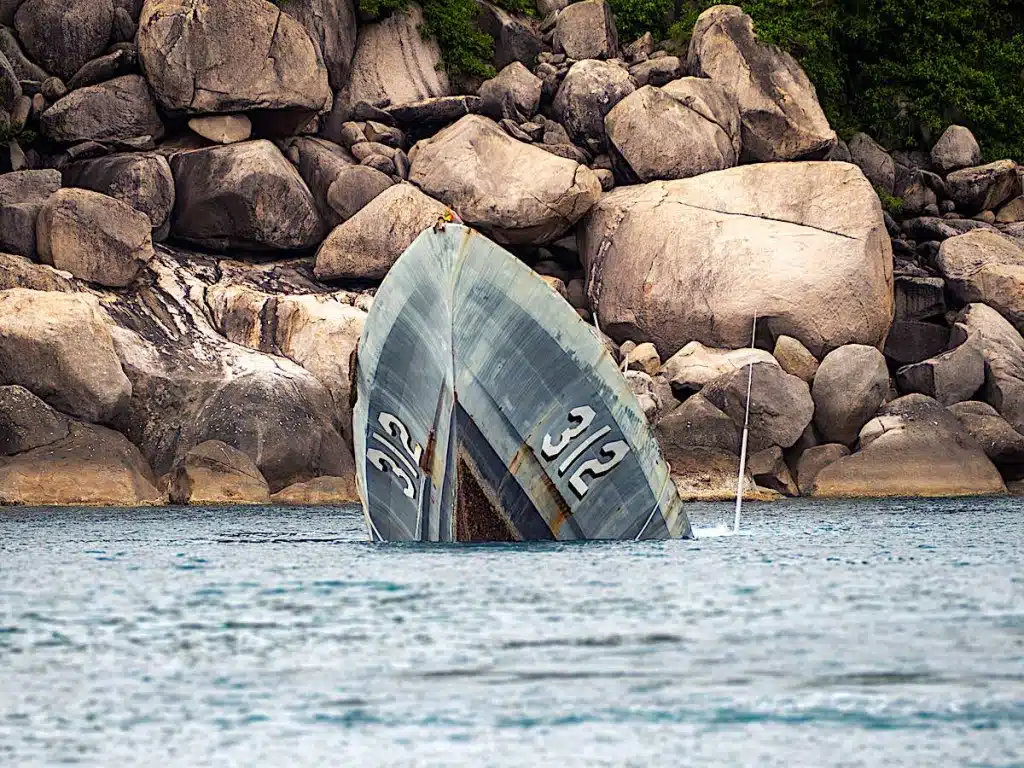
{"x":62,"y":35}
{"x":243,"y":195}
{"x":116,"y":110}
{"x":587,"y":94}
{"x":515,"y":193}
{"x":956,"y":148}
{"x":94,"y":237}
{"x":801,"y":245}
{"x":987,"y":267}
{"x":849,"y":386}
{"x":215,"y":473}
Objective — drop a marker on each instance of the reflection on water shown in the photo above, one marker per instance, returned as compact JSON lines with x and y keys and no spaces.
{"x":840,"y":634}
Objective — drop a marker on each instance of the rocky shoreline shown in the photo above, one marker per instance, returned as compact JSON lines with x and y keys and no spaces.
{"x":197,"y":201}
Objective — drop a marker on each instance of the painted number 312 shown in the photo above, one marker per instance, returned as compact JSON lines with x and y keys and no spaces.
{"x":612,"y":452}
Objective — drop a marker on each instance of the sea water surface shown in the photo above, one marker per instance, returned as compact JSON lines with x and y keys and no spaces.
{"x":841,"y":634}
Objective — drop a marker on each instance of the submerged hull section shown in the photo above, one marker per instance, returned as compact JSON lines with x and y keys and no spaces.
{"x":487,"y":410}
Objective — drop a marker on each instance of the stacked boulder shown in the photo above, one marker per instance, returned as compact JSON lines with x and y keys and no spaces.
{"x":197,"y":202}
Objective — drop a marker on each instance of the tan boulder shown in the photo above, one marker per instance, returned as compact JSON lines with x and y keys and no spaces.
{"x":394,"y":61}
{"x":644,"y":357}
{"x":515,"y":193}
{"x":59,"y":346}
{"x":320,"y":491}
{"x":794,"y":358}
{"x":1001,"y":442}
{"x":91,"y":466}
{"x":586,"y":30}
{"x":63,"y":35}
{"x":849,"y":386}
{"x":769,"y":470}
{"x":22,"y":195}
{"x":706,"y":474}
{"x":141,"y":179}
{"x":986,"y":267}
{"x":815,"y":459}
{"x":331,"y":25}
{"x":94,"y":237}
{"x":515,"y":85}
{"x":956,"y":148}
{"x":696,"y":423}
{"x":915,"y":447}
{"x":243,"y":195}
{"x":951,"y":377}
{"x":695,"y":365}
{"x":590,"y":91}
{"x":116,"y":110}
{"x":222,"y":129}
{"x":1003,"y":350}
{"x":222,"y":58}
{"x":802,"y":245}
{"x":368,"y":244}
{"x":1012,"y":212}
{"x":353,"y":189}
{"x":215,"y":473}
{"x":984,"y":187}
{"x":660,"y":137}
{"x":780,"y":404}
{"x":781,"y":117}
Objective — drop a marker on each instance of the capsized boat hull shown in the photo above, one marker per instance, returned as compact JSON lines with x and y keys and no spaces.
{"x":487,"y":410}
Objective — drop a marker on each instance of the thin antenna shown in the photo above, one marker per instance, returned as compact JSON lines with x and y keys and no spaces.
{"x":746,"y":432}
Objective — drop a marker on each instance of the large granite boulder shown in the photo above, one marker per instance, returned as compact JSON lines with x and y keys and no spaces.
{"x":914,"y":448}
{"x":514,"y":84}
{"x":353,"y":190}
{"x":695,"y":365}
{"x":780,"y":404}
{"x":24,"y":68}
{"x":986,"y":267}
{"x":513,"y":192}
{"x":268,"y":407}
{"x":239,"y":56}
{"x":91,"y":466}
{"x":586,"y":30}
{"x":849,"y":386}
{"x":59,"y":346}
{"x":395,"y":62}
{"x":587,"y":94}
{"x":243,"y":196}
{"x":951,"y":377}
{"x":142,"y":180}
{"x":956,"y":148}
{"x":26,"y":422}
{"x":62,"y":35}
{"x":801,"y":245}
{"x":769,"y":470}
{"x":22,"y":195}
{"x":215,"y":473}
{"x":781,"y":117}
{"x":331,"y":25}
{"x":984,"y":187}
{"x":1003,"y":349}
{"x":1001,"y":442}
{"x":317,"y":331}
{"x":116,"y":110}
{"x":94,"y":237}
{"x":675,"y":132}
{"x":794,"y":358}
{"x":913,"y":341}
{"x":366,"y":246}
{"x":876,"y":163}
{"x":697,"y":423}
{"x":815,"y":459}
{"x":319,"y":491}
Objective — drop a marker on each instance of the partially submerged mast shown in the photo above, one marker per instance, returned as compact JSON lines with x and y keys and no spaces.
{"x":746,"y":433}
{"x":487,"y":409}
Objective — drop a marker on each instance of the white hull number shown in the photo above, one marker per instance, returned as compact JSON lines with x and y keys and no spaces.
{"x":400,"y":460}
{"x":612,"y":452}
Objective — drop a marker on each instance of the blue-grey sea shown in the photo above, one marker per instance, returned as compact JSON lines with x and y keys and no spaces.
{"x":840,"y":634}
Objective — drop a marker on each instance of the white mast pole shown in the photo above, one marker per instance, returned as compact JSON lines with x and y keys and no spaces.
{"x":746,"y":432}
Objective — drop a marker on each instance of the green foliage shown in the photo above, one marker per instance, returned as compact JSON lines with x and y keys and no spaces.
{"x":465,"y":50}
{"x":634,"y":17}
{"x":890,"y":204}
{"x":380,"y":8}
{"x":903,"y":70}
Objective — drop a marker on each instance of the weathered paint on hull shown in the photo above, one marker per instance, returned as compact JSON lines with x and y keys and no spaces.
{"x":488,"y":410}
